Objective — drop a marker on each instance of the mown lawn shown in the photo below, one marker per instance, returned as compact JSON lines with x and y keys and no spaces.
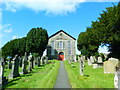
{"x":93,"y":78}
{"x":40,"y":77}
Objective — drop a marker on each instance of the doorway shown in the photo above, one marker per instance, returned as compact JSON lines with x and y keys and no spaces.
{"x":61,"y":56}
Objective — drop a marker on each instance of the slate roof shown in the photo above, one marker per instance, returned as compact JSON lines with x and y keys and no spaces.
{"x":63,"y":32}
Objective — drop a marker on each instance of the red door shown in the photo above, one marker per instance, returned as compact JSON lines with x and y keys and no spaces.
{"x":61,"y":57}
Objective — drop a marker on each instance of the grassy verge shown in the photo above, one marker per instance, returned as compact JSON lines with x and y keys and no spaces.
{"x":40,"y":77}
{"x":93,"y":78}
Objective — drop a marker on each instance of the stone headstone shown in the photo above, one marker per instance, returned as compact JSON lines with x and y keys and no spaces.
{"x":30,"y":60}
{"x":99,"y":60}
{"x":89,"y":62}
{"x":83,"y":59}
{"x":15,"y":68}
{"x":95,"y":65}
{"x":9,"y":64}
{"x":109,"y":66}
{"x":38,"y":61}
{"x":81,"y":66}
{"x":24,"y":64}
{"x":117,"y":77}
{"x":20,"y":61}
{"x":3,"y":79}
{"x":92,"y":59}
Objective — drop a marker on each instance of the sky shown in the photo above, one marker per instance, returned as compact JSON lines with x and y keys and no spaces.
{"x":18,"y":17}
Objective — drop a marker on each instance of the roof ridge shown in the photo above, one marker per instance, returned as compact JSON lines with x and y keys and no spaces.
{"x":62,"y":31}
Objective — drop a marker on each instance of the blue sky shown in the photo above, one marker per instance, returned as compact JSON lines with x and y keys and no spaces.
{"x":73,"y":17}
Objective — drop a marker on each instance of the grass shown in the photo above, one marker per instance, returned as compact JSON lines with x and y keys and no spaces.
{"x":93,"y":78}
{"x":40,"y":77}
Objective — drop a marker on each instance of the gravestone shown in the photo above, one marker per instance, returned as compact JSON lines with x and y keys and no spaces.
{"x":20,"y":61}
{"x":9,"y":64}
{"x":89,"y":62}
{"x":100,"y":60}
{"x":117,"y":77}
{"x":34,"y":61}
{"x":30,"y":61}
{"x":81,"y":66}
{"x":38,"y":61}
{"x":83,"y":59}
{"x":43,"y":59}
{"x":32,"y":64}
{"x":24,"y":64}
{"x":3,"y":79}
{"x":92,"y":59}
{"x":15,"y":68}
{"x":95,"y":65}
{"x":95,"y":60}
{"x":109,"y":66}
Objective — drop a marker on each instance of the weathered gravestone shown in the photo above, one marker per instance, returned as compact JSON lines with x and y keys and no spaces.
{"x":89,"y":62}
{"x":117,"y":77}
{"x":92,"y":59}
{"x":81,"y":66}
{"x":45,"y":59}
{"x":15,"y":68}
{"x":20,"y":61}
{"x":95,"y":60}
{"x":9,"y":64}
{"x":30,"y":60}
{"x":109,"y":66}
{"x":99,"y":62}
{"x":38,"y":61}
{"x":83,"y":59}
{"x":24,"y":64}
{"x":3,"y":79}
{"x":95,"y":65}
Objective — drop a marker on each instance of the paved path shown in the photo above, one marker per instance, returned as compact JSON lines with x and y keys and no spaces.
{"x":62,"y":78}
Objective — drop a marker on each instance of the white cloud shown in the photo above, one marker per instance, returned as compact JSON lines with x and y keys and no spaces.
{"x":48,"y":6}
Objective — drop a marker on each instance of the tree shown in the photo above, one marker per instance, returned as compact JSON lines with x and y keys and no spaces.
{"x":105,"y":30}
{"x":37,"y":40}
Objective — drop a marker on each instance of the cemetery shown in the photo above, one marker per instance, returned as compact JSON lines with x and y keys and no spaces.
{"x":42,"y":61}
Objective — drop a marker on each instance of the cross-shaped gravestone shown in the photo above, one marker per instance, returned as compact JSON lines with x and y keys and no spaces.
{"x":24,"y":64}
{"x":15,"y":68}
{"x":3,"y":79}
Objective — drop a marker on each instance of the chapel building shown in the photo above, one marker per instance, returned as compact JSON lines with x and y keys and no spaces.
{"x":61,"y":46}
